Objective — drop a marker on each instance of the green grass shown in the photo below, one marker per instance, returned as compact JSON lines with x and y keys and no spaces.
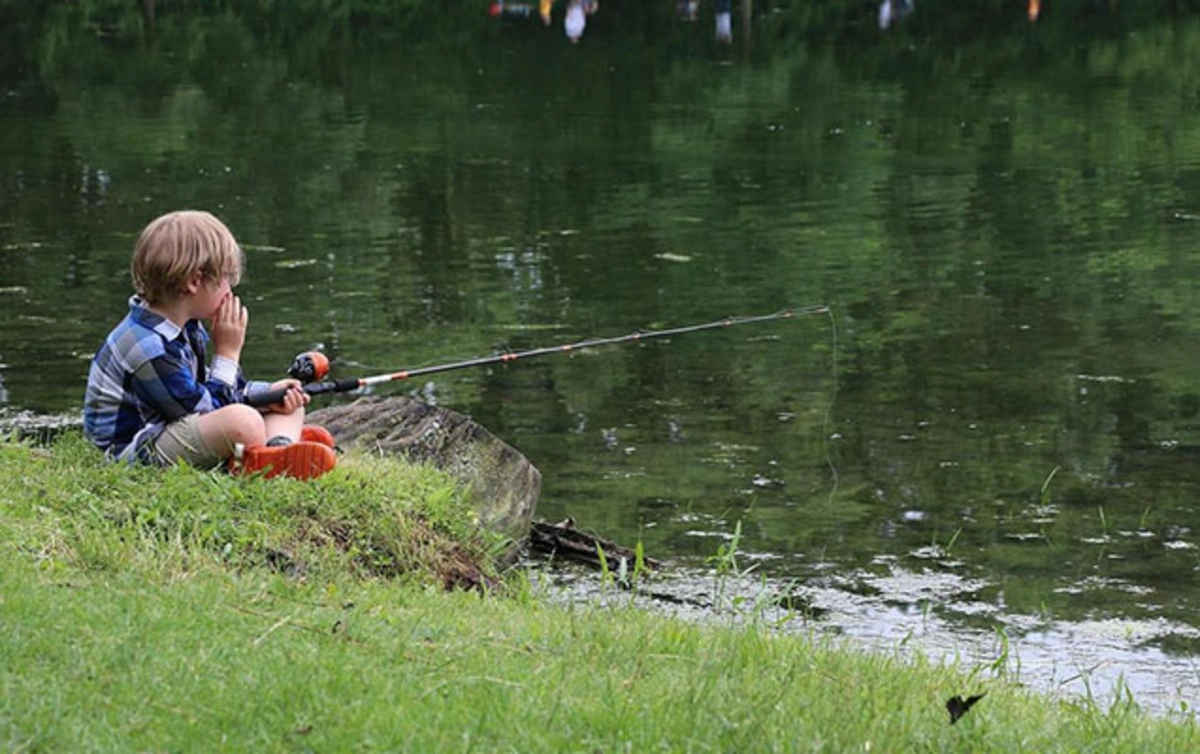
{"x":69,"y":508}
{"x":162,"y":625}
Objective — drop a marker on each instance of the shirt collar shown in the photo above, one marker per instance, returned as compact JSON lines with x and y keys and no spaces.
{"x":144,"y":315}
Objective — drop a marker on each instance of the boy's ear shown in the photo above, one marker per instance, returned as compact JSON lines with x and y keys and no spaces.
{"x":193,"y":283}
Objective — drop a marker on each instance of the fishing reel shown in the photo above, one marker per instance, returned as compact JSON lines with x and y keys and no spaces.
{"x":310,"y":369}
{"x":310,"y":366}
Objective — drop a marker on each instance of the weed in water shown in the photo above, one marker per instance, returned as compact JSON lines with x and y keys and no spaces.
{"x":725,"y":567}
{"x":999,"y":665}
{"x":1045,"y":496}
{"x":953,"y":539}
{"x":1144,"y":518}
{"x":639,"y":560}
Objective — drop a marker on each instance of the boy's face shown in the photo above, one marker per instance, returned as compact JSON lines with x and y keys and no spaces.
{"x":209,"y":295}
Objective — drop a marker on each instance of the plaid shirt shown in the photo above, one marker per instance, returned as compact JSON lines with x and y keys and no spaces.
{"x":149,"y":373}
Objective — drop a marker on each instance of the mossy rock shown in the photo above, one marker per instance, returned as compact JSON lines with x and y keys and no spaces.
{"x":503,"y":483}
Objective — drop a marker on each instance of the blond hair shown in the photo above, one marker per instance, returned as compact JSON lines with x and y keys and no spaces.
{"x":175,"y":246}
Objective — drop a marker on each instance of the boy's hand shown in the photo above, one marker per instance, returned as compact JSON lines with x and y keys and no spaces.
{"x":292,"y":400}
{"x":229,"y":328}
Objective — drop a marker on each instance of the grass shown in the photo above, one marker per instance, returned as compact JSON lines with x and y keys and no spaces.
{"x":370,"y":517}
{"x":142,"y":611}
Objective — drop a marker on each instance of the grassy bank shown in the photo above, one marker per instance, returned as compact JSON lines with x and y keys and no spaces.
{"x":167,"y":624}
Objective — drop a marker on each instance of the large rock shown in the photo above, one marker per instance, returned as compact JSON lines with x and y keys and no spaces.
{"x":502,"y":482}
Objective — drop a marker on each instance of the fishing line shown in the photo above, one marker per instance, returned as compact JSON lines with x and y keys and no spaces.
{"x":827,"y":427}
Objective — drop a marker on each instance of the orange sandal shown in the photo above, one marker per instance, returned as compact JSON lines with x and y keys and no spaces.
{"x":299,"y":460}
{"x":316,"y":433}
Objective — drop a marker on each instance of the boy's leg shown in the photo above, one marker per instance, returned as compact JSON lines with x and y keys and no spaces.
{"x":296,"y":456}
{"x":292,"y":427}
{"x":231,"y":425}
{"x":206,"y":440}
{"x":284,"y":425}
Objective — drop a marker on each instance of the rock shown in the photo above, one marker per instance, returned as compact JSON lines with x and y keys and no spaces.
{"x":40,"y":428}
{"x":502,"y":482}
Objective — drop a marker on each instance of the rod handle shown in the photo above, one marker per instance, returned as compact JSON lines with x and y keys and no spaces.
{"x":267,"y":397}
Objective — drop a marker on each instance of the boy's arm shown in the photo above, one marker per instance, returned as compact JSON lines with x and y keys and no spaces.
{"x":227,"y":385}
{"x":225,"y":381}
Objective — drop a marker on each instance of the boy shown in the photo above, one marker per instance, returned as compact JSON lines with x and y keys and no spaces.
{"x":150,"y":397}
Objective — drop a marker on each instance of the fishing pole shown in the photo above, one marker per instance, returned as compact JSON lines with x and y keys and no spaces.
{"x":312,"y":366}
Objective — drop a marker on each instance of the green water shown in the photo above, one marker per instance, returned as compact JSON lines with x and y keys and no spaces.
{"x":996,"y":426}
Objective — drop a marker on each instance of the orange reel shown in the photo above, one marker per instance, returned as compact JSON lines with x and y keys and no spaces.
{"x":309,"y":366}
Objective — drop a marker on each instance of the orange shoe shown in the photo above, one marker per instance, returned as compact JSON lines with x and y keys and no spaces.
{"x":316,"y":433}
{"x":299,"y":460}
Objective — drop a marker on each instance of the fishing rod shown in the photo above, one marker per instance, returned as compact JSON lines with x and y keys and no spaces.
{"x":312,"y":366}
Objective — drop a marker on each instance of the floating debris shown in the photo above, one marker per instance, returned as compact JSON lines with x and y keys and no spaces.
{"x":1096,"y":583}
{"x":1026,"y":536}
{"x":667,"y":256}
{"x":291,"y":264}
{"x":1103,"y":378}
{"x":610,"y":438}
{"x":529,"y":328}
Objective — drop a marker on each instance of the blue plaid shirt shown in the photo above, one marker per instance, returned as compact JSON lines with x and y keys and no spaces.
{"x":149,"y":373}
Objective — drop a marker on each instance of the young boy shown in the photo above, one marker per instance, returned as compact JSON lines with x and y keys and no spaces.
{"x":150,"y":397}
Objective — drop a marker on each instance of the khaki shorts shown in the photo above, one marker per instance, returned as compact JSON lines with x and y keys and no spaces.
{"x":182,"y":441}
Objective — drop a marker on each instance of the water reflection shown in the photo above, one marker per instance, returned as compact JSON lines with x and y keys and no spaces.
{"x":893,"y":11}
{"x":688,"y":10}
{"x":574,"y":17}
{"x":1010,"y":298}
{"x":511,"y":10}
{"x":724,"y":20}
{"x":575,"y":20}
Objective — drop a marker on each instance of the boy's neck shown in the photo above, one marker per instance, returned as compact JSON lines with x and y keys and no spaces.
{"x":176,"y":311}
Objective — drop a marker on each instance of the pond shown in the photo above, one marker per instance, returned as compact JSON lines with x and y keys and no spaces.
{"x":988,"y":445}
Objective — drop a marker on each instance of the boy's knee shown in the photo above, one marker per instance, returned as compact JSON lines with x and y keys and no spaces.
{"x":237,"y":423}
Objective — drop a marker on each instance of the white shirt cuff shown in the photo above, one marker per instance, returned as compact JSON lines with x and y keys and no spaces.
{"x":225,"y":370}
